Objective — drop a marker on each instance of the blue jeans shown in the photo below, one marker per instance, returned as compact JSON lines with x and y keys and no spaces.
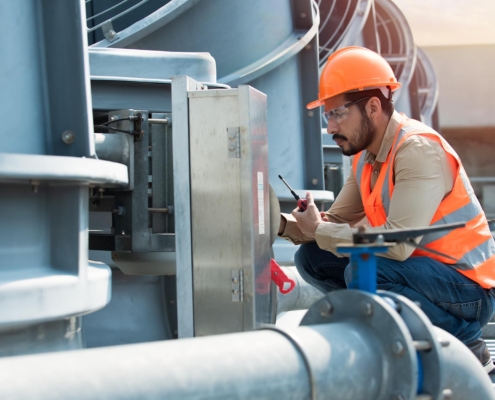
{"x":451,"y":301}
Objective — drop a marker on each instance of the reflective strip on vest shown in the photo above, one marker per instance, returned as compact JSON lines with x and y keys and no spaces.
{"x":472,"y":246}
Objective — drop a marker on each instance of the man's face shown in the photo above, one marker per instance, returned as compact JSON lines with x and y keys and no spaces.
{"x":351,"y":130}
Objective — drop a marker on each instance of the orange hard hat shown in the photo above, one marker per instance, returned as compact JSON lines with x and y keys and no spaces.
{"x":353,"y":68}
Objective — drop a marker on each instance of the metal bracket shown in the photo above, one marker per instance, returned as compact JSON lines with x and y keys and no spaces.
{"x":234,"y":142}
{"x":109,"y":32}
{"x":237,"y":285}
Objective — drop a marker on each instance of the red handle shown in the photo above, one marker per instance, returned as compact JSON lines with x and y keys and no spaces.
{"x":284,"y":283}
{"x":302,"y":204}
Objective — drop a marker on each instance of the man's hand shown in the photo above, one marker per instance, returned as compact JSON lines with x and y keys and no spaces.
{"x":308,"y":220}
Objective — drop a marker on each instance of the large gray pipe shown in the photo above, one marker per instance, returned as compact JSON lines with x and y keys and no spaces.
{"x":301,"y":297}
{"x":366,"y":350}
{"x":255,"y":365}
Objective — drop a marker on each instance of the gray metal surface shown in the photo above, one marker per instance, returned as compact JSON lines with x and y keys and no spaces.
{"x":138,"y":312}
{"x":229,"y":209}
{"x":283,"y":64}
{"x":182,"y":200}
{"x":155,"y":65}
{"x":45,"y":73}
{"x":25,"y":168}
{"x":421,"y":330}
{"x":464,"y":377}
{"x":44,"y":266}
{"x":61,"y":335}
{"x":116,"y":147}
{"x":162,"y":172}
{"x":371,"y":317}
{"x":302,"y":297}
{"x":148,"y":24}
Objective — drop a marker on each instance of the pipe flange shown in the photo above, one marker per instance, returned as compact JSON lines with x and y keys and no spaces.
{"x":422,"y":332}
{"x":376,"y":320}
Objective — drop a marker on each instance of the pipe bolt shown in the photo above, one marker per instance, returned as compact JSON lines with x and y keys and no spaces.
{"x":367,"y":309}
{"x":326,"y":308}
{"x":68,"y":137}
{"x":398,"y":348}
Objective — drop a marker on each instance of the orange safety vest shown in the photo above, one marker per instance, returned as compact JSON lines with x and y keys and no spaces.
{"x":472,"y":246}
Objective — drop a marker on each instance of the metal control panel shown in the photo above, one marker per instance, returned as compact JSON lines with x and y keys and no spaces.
{"x":229,"y":212}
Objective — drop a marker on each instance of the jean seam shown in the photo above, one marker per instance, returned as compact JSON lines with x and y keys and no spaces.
{"x":477,"y":303}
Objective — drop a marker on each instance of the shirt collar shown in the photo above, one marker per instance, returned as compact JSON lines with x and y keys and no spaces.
{"x":388,"y":140}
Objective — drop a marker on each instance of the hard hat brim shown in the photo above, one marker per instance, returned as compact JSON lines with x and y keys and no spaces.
{"x":314,"y":104}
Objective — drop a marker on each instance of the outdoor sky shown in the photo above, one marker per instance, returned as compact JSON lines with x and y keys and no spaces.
{"x":450,"y":22}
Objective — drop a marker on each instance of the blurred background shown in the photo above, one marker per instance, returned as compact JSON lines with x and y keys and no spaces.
{"x":459,"y":39}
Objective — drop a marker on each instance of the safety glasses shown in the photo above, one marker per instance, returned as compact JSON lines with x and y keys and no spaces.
{"x":340,"y":113}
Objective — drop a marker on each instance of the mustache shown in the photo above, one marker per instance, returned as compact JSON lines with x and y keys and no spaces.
{"x":338,"y":136}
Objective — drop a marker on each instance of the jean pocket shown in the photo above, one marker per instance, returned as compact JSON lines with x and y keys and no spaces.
{"x":467,"y":311}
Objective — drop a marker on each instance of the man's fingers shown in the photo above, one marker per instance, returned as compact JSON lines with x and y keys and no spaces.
{"x":323,"y":216}
{"x":309,"y":198}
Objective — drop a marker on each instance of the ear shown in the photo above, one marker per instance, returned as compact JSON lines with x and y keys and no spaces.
{"x":375,"y":106}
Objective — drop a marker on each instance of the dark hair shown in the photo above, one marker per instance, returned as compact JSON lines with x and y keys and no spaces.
{"x":387,"y":105}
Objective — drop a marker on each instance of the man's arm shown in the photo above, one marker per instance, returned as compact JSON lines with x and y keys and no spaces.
{"x":422,"y":180}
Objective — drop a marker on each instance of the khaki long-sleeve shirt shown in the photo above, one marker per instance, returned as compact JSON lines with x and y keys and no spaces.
{"x":422,"y":177}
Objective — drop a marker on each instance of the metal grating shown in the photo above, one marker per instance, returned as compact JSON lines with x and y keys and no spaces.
{"x":396,"y":41}
{"x":335,"y":17}
{"x":105,"y":18}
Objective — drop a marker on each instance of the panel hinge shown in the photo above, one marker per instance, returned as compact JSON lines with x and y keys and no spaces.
{"x":234,"y":142}
{"x":237,"y":285}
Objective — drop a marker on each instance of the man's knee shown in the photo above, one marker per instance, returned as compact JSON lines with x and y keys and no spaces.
{"x":303,"y":254}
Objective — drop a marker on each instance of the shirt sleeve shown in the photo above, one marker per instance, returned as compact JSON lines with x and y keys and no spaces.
{"x":346,"y":210}
{"x":422,"y":179}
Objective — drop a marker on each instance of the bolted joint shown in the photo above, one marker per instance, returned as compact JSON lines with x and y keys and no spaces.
{"x":68,"y":137}
{"x":398,"y":348}
{"x":326,"y":308}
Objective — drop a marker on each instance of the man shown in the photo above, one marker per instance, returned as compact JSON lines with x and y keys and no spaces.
{"x":404,"y":175}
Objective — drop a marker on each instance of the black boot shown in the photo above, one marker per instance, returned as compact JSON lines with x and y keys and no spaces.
{"x":479,"y":349}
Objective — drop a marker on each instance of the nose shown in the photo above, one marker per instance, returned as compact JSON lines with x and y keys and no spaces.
{"x":332,"y":127}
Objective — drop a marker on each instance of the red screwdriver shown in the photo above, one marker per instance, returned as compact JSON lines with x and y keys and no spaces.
{"x":302,"y":204}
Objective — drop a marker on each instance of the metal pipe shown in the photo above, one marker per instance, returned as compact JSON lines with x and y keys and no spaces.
{"x":464,"y":377}
{"x":301,"y":297}
{"x":113,"y":147}
{"x":261,"y":364}
{"x":158,"y":121}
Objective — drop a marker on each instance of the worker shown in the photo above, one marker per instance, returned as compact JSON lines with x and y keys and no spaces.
{"x":404,"y":175}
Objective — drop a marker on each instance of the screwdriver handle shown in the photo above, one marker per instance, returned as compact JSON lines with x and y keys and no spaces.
{"x":302,"y":204}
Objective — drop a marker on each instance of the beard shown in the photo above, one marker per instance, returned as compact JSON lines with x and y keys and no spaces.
{"x":363,"y":138}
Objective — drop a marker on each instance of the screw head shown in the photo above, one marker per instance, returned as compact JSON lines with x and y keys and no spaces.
{"x":367,"y":309}
{"x":326,"y":308}
{"x":303,"y":15}
{"x":311,"y":114}
{"x":398,"y":348}
{"x":314,"y":181}
{"x":68,"y":137}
